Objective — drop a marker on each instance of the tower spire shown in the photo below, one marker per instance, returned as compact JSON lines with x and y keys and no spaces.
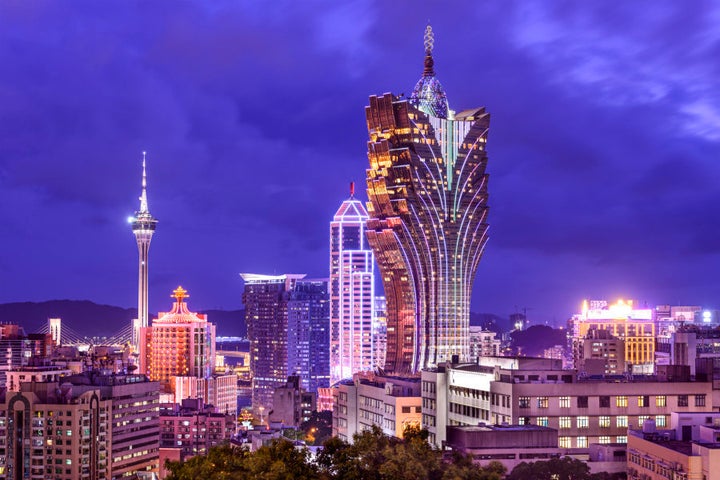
{"x":429,"y":41}
{"x":352,"y":189}
{"x":143,"y":195}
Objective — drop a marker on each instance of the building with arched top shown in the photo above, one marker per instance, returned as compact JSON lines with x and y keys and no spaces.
{"x":427,"y":191}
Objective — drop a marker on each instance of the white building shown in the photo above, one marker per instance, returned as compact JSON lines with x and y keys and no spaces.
{"x":352,"y":293}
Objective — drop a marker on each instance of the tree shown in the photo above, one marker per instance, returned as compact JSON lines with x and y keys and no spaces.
{"x":565,"y":468}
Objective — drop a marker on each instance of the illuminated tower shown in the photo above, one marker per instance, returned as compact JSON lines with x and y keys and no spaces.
{"x":143,"y":226}
{"x":427,"y":191}
{"x":351,"y":292}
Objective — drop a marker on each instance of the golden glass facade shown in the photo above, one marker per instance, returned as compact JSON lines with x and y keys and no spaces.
{"x":427,"y":191}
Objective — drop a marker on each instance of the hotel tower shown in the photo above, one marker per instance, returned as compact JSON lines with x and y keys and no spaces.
{"x":143,"y":226}
{"x":352,"y":295}
{"x":427,"y":191}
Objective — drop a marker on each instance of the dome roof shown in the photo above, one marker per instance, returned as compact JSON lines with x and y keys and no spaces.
{"x":428,"y":94}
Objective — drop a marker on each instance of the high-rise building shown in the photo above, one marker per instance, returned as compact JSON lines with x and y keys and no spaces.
{"x":427,"y":191}
{"x":179,"y":343}
{"x":352,"y":293}
{"x":285,"y":315}
{"x":309,"y":333}
{"x":143,"y":226}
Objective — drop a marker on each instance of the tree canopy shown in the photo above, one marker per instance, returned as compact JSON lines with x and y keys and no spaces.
{"x":371,"y":456}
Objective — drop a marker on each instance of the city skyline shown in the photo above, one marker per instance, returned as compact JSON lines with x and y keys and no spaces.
{"x":602,"y":174}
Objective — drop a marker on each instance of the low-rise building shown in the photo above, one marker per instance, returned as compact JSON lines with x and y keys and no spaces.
{"x":391,"y":403}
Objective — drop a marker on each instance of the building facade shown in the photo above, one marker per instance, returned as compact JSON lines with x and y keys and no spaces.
{"x":352,"y":293}
{"x":391,"y":403}
{"x":537,"y":391}
{"x":179,"y":343}
{"x":284,"y":315}
{"x":427,"y":191}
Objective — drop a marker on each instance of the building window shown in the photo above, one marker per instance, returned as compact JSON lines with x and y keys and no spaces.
{"x":564,"y":402}
{"x":583,"y":422}
{"x":524,"y":421}
{"x":582,"y":401}
{"x":542,"y":402}
{"x":661,"y":401}
{"x":564,"y":442}
{"x":621,"y":421}
{"x":604,"y":401}
{"x":604,"y":439}
{"x":682,"y":401}
{"x":643,"y":400}
{"x":621,"y":401}
{"x":660,"y":420}
{"x":604,"y":421}
{"x":621,"y":439}
{"x":700,"y":400}
{"x":641,"y":420}
{"x":542,"y":421}
{"x":565,"y":422}
{"x":582,"y":442}
{"x":524,"y":402}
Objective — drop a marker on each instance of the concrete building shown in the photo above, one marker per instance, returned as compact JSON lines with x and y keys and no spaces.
{"x":602,"y":354}
{"x":634,"y":326}
{"x":507,"y":444}
{"x":292,"y":405}
{"x":391,"y":403}
{"x":87,"y":427}
{"x":483,"y":343}
{"x":352,"y":292}
{"x":192,"y":428}
{"x":218,"y":391}
{"x":522,"y":390}
{"x":689,"y":449}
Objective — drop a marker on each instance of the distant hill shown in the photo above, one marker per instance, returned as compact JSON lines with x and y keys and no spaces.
{"x":92,"y":319}
{"x":490,"y":321}
{"x":537,"y":338}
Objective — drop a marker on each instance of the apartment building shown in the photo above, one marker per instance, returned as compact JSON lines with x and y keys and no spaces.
{"x":392,"y":403}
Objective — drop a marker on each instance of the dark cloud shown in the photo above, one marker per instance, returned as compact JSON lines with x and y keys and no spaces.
{"x":603,"y":144}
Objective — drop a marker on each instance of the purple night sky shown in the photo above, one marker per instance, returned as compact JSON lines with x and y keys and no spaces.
{"x":604,"y":144}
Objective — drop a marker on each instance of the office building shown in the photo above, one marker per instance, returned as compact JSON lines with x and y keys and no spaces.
{"x":143,"y":227}
{"x":483,"y":343}
{"x":309,"y":333}
{"x":427,"y":191}
{"x":352,"y":293}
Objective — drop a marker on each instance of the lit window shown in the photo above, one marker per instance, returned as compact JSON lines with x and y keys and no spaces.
{"x":564,"y":402}
{"x":604,"y":439}
{"x":622,"y":421}
{"x":641,"y":420}
{"x":643,"y":400}
{"x":542,"y":421}
{"x":542,"y":402}
{"x":621,"y":439}
{"x":564,"y":442}
{"x":565,"y":422}
{"x":582,"y":442}
{"x":524,"y":402}
{"x":660,"y":420}
{"x":661,"y":401}
{"x":604,"y":421}
{"x":621,"y":401}
{"x":583,"y":422}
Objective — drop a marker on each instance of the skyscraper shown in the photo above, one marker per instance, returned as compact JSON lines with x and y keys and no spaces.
{"x":427,"y":191}
{"x":352,"y":292}
{"x":143,"y":226}
{"x":285,"y":315}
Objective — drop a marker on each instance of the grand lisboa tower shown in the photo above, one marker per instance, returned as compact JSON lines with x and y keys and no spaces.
{"x":427,"y":191}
